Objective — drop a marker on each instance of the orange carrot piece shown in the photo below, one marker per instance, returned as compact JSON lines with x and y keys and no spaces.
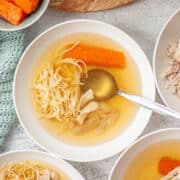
{"x":11,"y":12}
{"x":28,"y":6}
{"x":97,"y":56}
{"x":167,"y":164}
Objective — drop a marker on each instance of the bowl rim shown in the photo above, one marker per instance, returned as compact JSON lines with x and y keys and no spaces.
{"x":143,"y":138}
{"x":155,"y":52}
{"x":88,"y":158}
{"x":34,"y":20}
{"x":67,"y":164}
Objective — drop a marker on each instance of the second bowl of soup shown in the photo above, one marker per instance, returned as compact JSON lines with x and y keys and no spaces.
{"x":65,"y":116}
{"x":35,"y":165}
{"x":155,"y":156}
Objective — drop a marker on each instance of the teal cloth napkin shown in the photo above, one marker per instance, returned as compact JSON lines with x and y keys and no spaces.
{"x":11,"y":47}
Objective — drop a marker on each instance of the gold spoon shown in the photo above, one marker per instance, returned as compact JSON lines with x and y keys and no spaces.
{"x":105,"y":87}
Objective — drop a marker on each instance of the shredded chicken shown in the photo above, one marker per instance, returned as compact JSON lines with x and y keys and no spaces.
{"x":105,"y":115}
{"x":44,"y":177}
{"x":47,"y":175}
{"x":85,"y":98}
{"x":99,"y":119}
{"x":173,"y":175}
{"x":89,"y":108}
{"x":172,"y":75}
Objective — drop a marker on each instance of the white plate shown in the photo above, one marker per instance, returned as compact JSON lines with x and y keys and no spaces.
{"x":28,"y":21}
{"x":169,"y":33}
{"x":58,"y":164}
{"x":126,"y":157}
{"x":29,"y":120}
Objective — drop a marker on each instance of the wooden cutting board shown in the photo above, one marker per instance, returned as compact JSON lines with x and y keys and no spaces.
{"x":87,"y":5}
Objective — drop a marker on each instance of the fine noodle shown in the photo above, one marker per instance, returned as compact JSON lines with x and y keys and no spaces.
{"x":57,"y":89}
{"x":26,"y":170}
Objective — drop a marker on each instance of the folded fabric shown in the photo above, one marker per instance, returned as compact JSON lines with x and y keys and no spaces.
{"x":11,"y":47}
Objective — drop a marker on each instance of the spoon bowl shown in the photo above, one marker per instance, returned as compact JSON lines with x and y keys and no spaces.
{"x":101,"y":82}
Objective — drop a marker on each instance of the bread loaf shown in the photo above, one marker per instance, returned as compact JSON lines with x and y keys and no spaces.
{"x":87,"y":5}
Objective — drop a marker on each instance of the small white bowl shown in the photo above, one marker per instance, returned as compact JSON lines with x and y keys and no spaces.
{"x":169,"y":33}
{"x":29,"y":120}
{"x":28,"y":21}
{"x":58,"y":164}
{"x":127,"y":156}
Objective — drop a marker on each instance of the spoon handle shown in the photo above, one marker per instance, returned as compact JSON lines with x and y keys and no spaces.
{"x":154,"y":106}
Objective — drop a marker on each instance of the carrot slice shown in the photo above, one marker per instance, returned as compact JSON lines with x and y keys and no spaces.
{"x":28,"y":6}
{"x":11,"y":12}
{"x":167,"y":164}
{"x":97,"y":56}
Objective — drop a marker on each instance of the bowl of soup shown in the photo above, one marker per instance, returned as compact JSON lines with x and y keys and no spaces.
{"x":54,"y":104}
{"x":35,"y":165}
{"x":155,"y":156}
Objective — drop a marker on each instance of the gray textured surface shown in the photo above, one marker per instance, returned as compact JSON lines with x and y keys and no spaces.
{"x":141,"y":20}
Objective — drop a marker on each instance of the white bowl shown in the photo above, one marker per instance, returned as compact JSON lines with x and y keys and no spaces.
{"x":127,"y":156}
{"x":58,"y":164}
{"x":29,"y":120}
{"x":28,"y":21}
{"x":169,"y":33}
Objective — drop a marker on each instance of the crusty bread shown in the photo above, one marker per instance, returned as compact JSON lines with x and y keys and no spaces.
{"x":88,"y":5}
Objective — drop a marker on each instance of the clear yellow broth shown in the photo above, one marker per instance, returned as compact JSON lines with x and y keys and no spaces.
{"x":128,"y":80}
{"x":145,"y":165}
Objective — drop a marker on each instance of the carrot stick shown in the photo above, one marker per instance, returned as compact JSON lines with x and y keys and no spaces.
{"x":11,"y":12}
{"x":28,"y":6}
{"x":166,"y":165}
{"x":97,"y":56}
